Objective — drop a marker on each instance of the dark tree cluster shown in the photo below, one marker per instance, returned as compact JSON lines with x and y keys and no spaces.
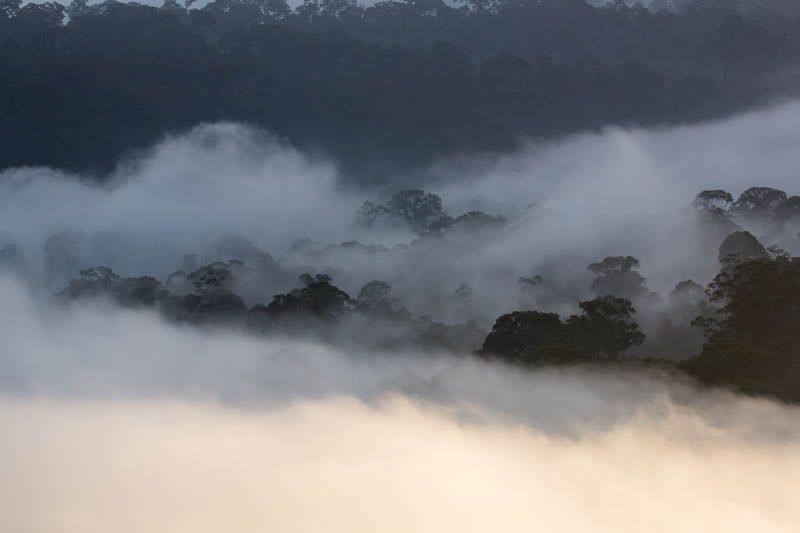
{"x":754,"y":337}
{"x":209,"y":304}
{"x":422,"y":213}
{"x":765,"y":203}
{"x":603,"y":331}
{"x":316,"y":309}
{"x":618,"y":275}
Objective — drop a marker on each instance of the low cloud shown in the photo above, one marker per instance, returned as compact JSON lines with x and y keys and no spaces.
{"x":341,"y":465}
{"x":112,"y":419}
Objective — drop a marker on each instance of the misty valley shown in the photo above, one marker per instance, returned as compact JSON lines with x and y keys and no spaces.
{"x":735,"y":330}
{"x":399,"y":265}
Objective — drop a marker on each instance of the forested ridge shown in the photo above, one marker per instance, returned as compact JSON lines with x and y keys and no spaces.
{"x":379,"y":89}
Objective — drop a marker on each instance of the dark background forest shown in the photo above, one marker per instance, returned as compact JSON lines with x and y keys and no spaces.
{"x":380,"y":89}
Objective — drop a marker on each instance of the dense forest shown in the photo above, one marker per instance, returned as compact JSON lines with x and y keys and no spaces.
{"x":381,"y":89}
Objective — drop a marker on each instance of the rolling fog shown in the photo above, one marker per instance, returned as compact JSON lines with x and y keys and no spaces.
{"x":568,"y":203}
{"x":113,"y":419}
{"x":343,"y":466}
{"x":183,"y":431}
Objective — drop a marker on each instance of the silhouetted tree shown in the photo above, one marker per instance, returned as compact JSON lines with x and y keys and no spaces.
{"x":606,"y":328}
{"x":617,"y":276}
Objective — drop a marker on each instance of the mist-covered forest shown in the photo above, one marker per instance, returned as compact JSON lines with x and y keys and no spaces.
{"x":413,"y":265}
{"x":735,"y":328}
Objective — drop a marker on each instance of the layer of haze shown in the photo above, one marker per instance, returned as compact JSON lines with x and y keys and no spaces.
{"x":618,"y":192}
{"x":340,"y":465}
{"x":112,"y":420}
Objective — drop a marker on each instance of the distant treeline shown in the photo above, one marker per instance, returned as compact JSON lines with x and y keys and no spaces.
{"x":740,"y":331}
{"x":382,"y":89}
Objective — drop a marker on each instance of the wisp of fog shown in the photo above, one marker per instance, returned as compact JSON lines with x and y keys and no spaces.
{"x":618,"y":192}
{"x":116,"y":420}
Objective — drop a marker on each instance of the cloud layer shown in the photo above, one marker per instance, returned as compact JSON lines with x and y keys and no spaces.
{"x":340,"y":465}
{"x":614,"y":192}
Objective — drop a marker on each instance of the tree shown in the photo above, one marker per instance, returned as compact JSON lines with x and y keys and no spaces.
{"x":414,"y":208}
{"x":376,"y":298}
{"x":417,"y":208}
{"x":726,"y":361}
{"x":518,"y":336}
{"x":319,"y":298}
{"x":373,"y":292}
{"x":687,"y":292}
{"x":713,"y":202}
{"x":760,"y":303}
{"x":739,"y":247}
{"x":758,"y":201}
{"x":617,"y":276}
{"x":606,"y":328}
{"x":754,"y":341}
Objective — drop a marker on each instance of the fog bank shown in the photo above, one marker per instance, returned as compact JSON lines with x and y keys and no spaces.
{"x":340,"y":465}
{"x":96,"y":351}
{"x":618,"y":192}
{"x":112,"y":419}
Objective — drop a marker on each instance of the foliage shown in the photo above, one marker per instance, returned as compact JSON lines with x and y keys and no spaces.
{"x":209,"y":304}
{"x":392,"y":85}
{"x":754,"y":343}
{"x":603,"y":331}
{"x":739,"y":247}
{"x":606,"y":327}
{"x":617,"y":276}
{"x":319,"y":298}
{"x":517,"y":336}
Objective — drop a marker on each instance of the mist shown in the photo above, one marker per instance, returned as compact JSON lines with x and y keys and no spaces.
{"x":115,"y":419}
{"x":399,"y":266}
{"x":182,"y":195}
{"x":568,"y":202}
{"x":343,"y":466}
